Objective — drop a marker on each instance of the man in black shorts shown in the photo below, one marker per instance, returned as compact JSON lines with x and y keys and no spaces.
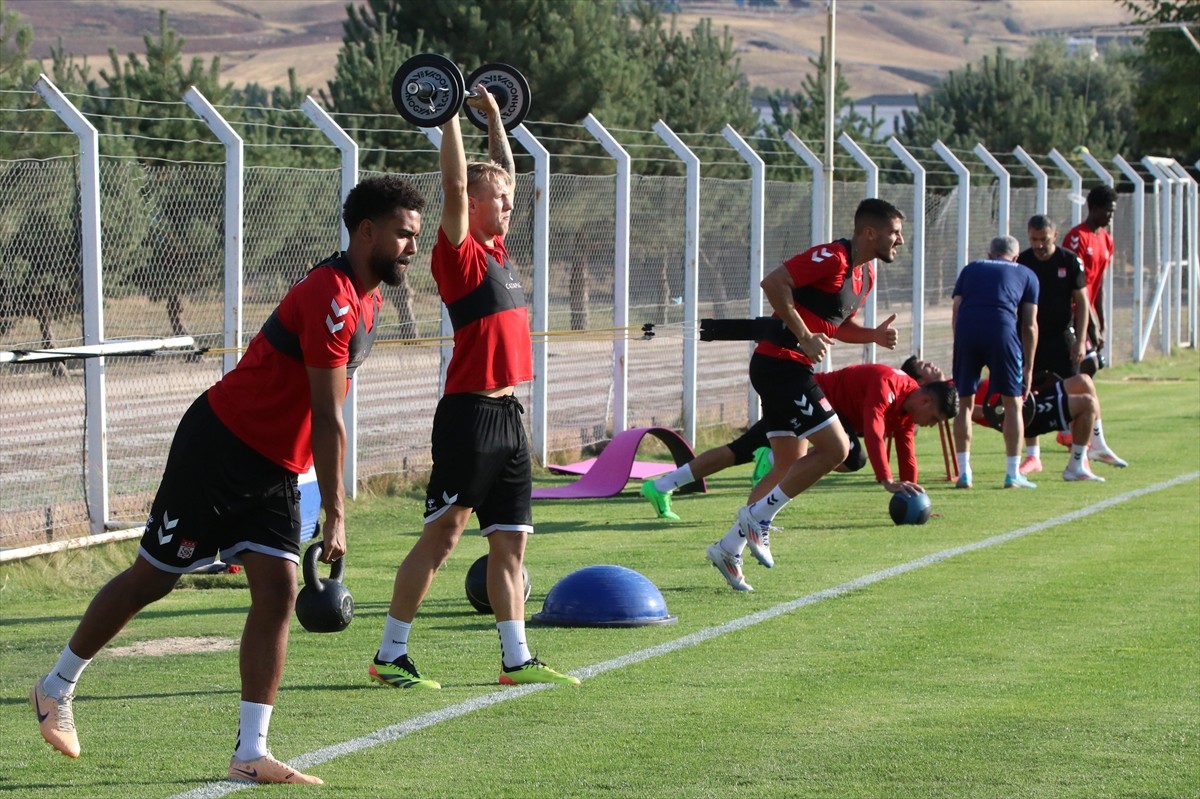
{"x":481,"y":460}
{"x":229,"y":489}
{"x":746,"y":448}
{"x":816,"y":294}
{"x":1062,"y":310}
{"x":1057,"y":405}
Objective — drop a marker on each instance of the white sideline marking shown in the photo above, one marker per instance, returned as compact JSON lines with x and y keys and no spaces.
{"x":396,"y":731}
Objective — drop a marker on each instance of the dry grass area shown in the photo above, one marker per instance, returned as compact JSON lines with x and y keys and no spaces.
{"x":161,"y":647}
{"x":884,"y":46}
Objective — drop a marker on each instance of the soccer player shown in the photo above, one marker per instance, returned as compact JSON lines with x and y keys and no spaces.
{"x":230,"y":483}
{"x":994,"y":318}
{"x":1093,"y":243}
{"x":481,"y":461}
{"x":878,"y":402}
{"x":1057,"y":404}
{"x":816,"y":294}
{"x":896,"y":394}
{"x":1062,"y":310}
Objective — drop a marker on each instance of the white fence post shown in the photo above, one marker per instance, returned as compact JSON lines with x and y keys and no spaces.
{"x":1003,"y":201}
{"x":811,"y":160}
{"x":916,"y":242}
{"x":1164,"y":186}
{"x":691,"y":277}
{"x":1039,"y":174}
{"x":758,"y":183}
{"x":621,"y":228}
{"x":1076,"y":180}
{"x":872,"y":169}
{"x":234,"y":206}
{"x":1192,"y":228}
{"x":964,"y":202}
{"x":541,"y":285}
{"x":349,"y":150}
{"x":1138,"y":349}
{"x":93,"y":298}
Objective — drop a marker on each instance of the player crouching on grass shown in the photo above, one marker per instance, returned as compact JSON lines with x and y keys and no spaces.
{"x":230,"y":484}
{"x":1060,"y":405}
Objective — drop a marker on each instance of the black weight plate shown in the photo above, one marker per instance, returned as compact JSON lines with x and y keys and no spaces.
{"x":439,"y":90}
{"x":511,"y":90}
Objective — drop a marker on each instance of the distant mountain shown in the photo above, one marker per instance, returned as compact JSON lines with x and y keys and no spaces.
{"x":883,"y":46}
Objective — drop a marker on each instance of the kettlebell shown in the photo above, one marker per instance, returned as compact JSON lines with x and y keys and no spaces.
{"x":324,"y":605}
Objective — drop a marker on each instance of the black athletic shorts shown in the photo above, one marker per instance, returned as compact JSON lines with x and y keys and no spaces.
{"x":1045,"y":410}
{"x":792,"y":401}
{"x":1051,"y":411}
{"x":481,"y":461}
{"x":219,"y":496}
{"x":1053,"y":354}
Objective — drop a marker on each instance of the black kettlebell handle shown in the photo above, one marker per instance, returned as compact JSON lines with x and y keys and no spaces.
{"x":336,"y":569}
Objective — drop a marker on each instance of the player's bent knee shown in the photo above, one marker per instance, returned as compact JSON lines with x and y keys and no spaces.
{"x":855,"y":460}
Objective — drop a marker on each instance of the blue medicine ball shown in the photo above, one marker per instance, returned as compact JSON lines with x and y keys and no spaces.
{"x":910,"y":508}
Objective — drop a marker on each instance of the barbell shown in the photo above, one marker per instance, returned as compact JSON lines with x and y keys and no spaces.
{"x":428,"y":90}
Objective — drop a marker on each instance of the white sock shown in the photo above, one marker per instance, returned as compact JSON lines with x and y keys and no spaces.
{"x":61,"y":680}
{"x":964,"y":462}
{"x":1033,"y":450}
{"x":1078,"y":458}
{"x":733,"y":541}
{"x":1012,"y":465}
{"x":1098,"y":438}
{"x":395,"y":639}
{"x":513,"y":649}
{"x":253,"y":721}
{"x":673,"y":480}
{"x":766,"y":508}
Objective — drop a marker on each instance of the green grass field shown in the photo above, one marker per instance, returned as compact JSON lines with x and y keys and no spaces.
{"x":1061,"y":662}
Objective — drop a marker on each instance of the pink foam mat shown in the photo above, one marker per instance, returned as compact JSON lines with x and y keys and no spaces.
{"x":607,"y":474}
{"x":639,"y":471}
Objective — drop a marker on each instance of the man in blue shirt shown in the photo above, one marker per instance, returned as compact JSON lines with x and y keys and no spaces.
{"x":995,"y":325}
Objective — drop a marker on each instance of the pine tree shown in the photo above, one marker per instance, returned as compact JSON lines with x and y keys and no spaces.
{"x":1166,"y":100}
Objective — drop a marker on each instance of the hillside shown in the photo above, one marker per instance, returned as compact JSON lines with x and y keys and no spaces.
{"x":884,"y":46}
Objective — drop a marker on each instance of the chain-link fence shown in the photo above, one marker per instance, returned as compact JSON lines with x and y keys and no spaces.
{"x":163,"y":253}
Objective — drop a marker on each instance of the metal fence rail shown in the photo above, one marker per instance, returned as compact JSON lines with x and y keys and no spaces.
{"x":101,"y":248}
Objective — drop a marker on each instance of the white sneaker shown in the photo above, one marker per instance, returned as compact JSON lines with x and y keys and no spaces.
{"x":1108,"y":457}
{"x":1081,"y":476}
{"x":730,"y":567}
{"x":757,"y":534}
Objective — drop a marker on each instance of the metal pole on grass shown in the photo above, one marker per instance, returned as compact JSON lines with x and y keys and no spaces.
{"x":620,"y":356}
{"x":691,"y":261}
{"x":348,"y":148}
{"x":96,"y":417}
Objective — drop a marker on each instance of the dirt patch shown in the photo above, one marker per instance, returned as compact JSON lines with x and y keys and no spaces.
{"x":175,"y":646}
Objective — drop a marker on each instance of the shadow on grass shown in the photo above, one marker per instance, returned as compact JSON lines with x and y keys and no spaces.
{"x":114,"y":787}
{"x":145,"y":614}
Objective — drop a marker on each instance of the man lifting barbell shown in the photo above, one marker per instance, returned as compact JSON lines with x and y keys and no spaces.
{"x":481,"y":460}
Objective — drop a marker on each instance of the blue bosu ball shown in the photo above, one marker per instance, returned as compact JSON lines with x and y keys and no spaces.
{"x":604,"y":596}
{"x":910,"y":508}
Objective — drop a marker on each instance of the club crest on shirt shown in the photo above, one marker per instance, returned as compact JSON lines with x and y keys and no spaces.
{"x":1062,"y":272}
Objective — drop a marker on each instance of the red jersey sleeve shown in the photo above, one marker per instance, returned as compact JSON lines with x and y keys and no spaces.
{"x":459,"y":270}
{"x":824,"y":264}
{"x":876,"y":400}
{"x":322,"y":310}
